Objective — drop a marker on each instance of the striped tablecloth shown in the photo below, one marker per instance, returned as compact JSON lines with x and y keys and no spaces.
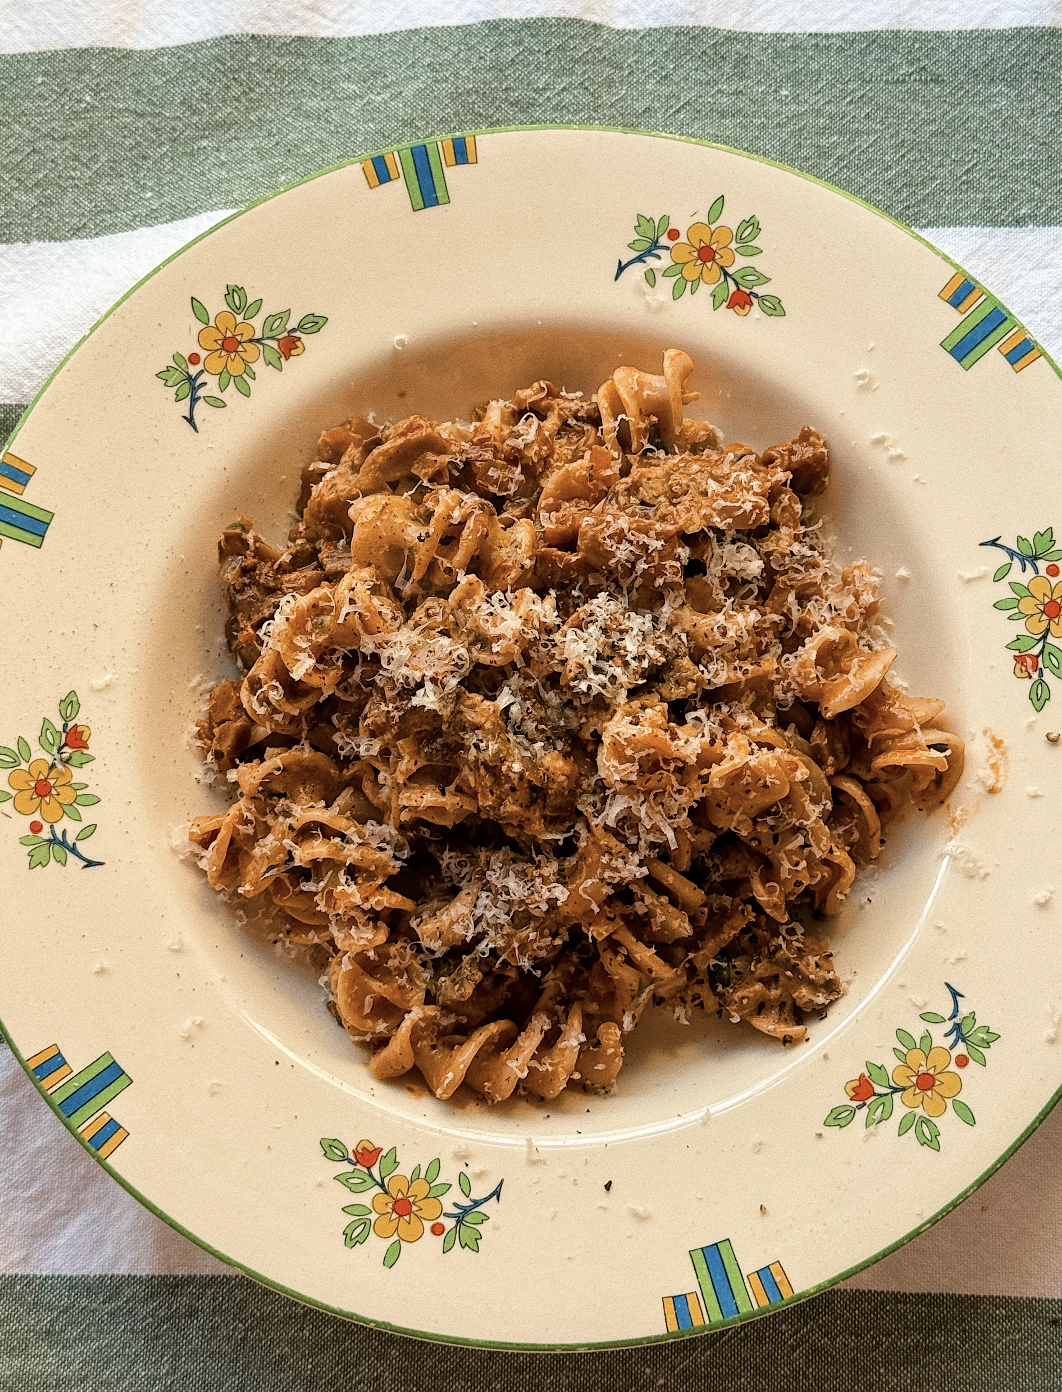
{"x":126,"y":127}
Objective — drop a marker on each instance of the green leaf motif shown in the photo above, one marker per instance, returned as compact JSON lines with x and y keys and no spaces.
{"x":926,"y":1042}
{"x":199,"y":309}
{"x":963,"y":1112}
{"x":662,"y":225}
{"x":236,"y":298}
{"x":679,"y":288}
{"x":5,"y":797}
{"x":772,"y":305}
{"x":71,"y":811}
{"x":311,"y":323}
{"x":968,"y":1021}
{"x":932,"y":1018}
{"x":40,"y":855}
{"x":31,"y":840}
{"x":59,"y":854}
{"x":1039,"y":694}
{"x":49,"y":737}
{"x":477,"y":1218}
{"x":673,"y":271}
{"x":24,"y":750}
{"x":1025,"y":546}
{"x":465,"y":1183}
{"x":839,"y":1116}
{"x":640,"y":244}
{"x":1022,"y":643}
{"x":877,"y":1074}
{"x":1003,"y":571}
{"x":86,"y":799}
{"x":976,"y":1054}
{"x":252,"y":309}
{"x":272,"y":358}
{"x":355,"y":1180}
{"x":248,"y":371}
{"x":354,"y":1234}
{"x":1052,"y":657}
{"x":78,"y":758}
{"x":242,"y":386}
{"x":1010,"y":603}
{"x":450,"y":1239}
{"x":905,"y":1124}
{"x":879,"y":1110}
{"x":1052,"y":556}
{"x":907,"y":1040}
{"x":393,"y":1253}
{"x":719,"y":295}
{"x":389,"y":1163}
{"x":8,"y":758}
{"x":181,"y":361}
{"x":334,"y":1149}
{"x":748,"y":277}
{"x":414,"y":1173}
{"x":276,"y":323}
{"x":183,"y":392}
{"x":85,"y":832}
{"x":695,"y":285}
{"x":984,"y":1036}
{"x":750,"y":251}
{"x":927,"y":1133}
{"x":224,"y":378}
{"x":715,"y":212}
{"x":1020,"y":590}
{"x":437,"y":1190}
{"x":172,"y":376}
{"x":431,"y":1174}
{"x":748,"y":230}
{"x":215,"y":401}
{"x":645,"y":227}
{"x":357,"y":1210}
{"x":650,"y":276}
{"x":469,"y":1238}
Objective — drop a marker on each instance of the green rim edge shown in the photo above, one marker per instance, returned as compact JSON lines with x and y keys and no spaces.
{"x":638,"y":1340}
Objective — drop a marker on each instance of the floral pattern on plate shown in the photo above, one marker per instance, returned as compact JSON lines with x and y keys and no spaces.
{"x":923,"y":1078}
{"x":44,"y":790}
{"x":1037,"y":605}
{"x":405,"y":1208}
{"x":706,"y":257}
{"x":233,"y":344}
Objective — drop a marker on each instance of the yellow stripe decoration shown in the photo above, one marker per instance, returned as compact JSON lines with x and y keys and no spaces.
{"x":15,"y":473}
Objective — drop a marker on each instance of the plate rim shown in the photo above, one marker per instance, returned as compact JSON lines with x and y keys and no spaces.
{"x":637,"y":1341}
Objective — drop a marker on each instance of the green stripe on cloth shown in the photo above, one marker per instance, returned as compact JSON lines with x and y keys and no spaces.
{"x":9,"y":417}
{"x":957,"y":128}
{"x":225,"y":1334}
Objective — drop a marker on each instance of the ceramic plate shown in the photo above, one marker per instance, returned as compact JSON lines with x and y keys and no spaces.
{"x":726,"y":1174}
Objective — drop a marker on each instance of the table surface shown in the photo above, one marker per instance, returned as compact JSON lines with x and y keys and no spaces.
{"x":128,"y":129}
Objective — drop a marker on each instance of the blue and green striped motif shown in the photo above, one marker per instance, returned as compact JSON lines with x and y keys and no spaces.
{"x":423,"y":167}
{"x":986,"y":325}
{"x":723,"y":1290}
{"x":89,"y":1091}
{"x":22,"y":521}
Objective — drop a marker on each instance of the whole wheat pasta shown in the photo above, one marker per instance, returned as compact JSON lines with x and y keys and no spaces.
{"x":550,"y":716}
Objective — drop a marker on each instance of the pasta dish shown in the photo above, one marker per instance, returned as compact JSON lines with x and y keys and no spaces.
{"x":551,"y":715}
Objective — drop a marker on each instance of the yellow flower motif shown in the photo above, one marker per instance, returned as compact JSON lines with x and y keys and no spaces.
{"x":42,"y":789}
{"x":1042,"y":606}
{"x":404,"y":1209}
{"x":702,"y":255}
{"x":228,"y":347}
{"x":926,"y":1082}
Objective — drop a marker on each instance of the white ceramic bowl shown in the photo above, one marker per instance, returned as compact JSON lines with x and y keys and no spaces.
{"x":726,"y":1173}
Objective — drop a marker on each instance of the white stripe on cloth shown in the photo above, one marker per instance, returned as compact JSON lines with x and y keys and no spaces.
{"x":32,"y":27}
{"x":53,"y":292}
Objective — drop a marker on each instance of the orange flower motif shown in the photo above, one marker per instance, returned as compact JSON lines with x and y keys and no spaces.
{"x":228,"y":343}
{"x":77,"y":737}
{"x":704,"y":252}
{"x":404,"y":1209}
{"x":42,"y":790}
{"x":366,"y":1154}
{"x":290,"y":346}
{"x":1025,"y":665}
{"x":860,"y":1089}
{"x":740,"y":302}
